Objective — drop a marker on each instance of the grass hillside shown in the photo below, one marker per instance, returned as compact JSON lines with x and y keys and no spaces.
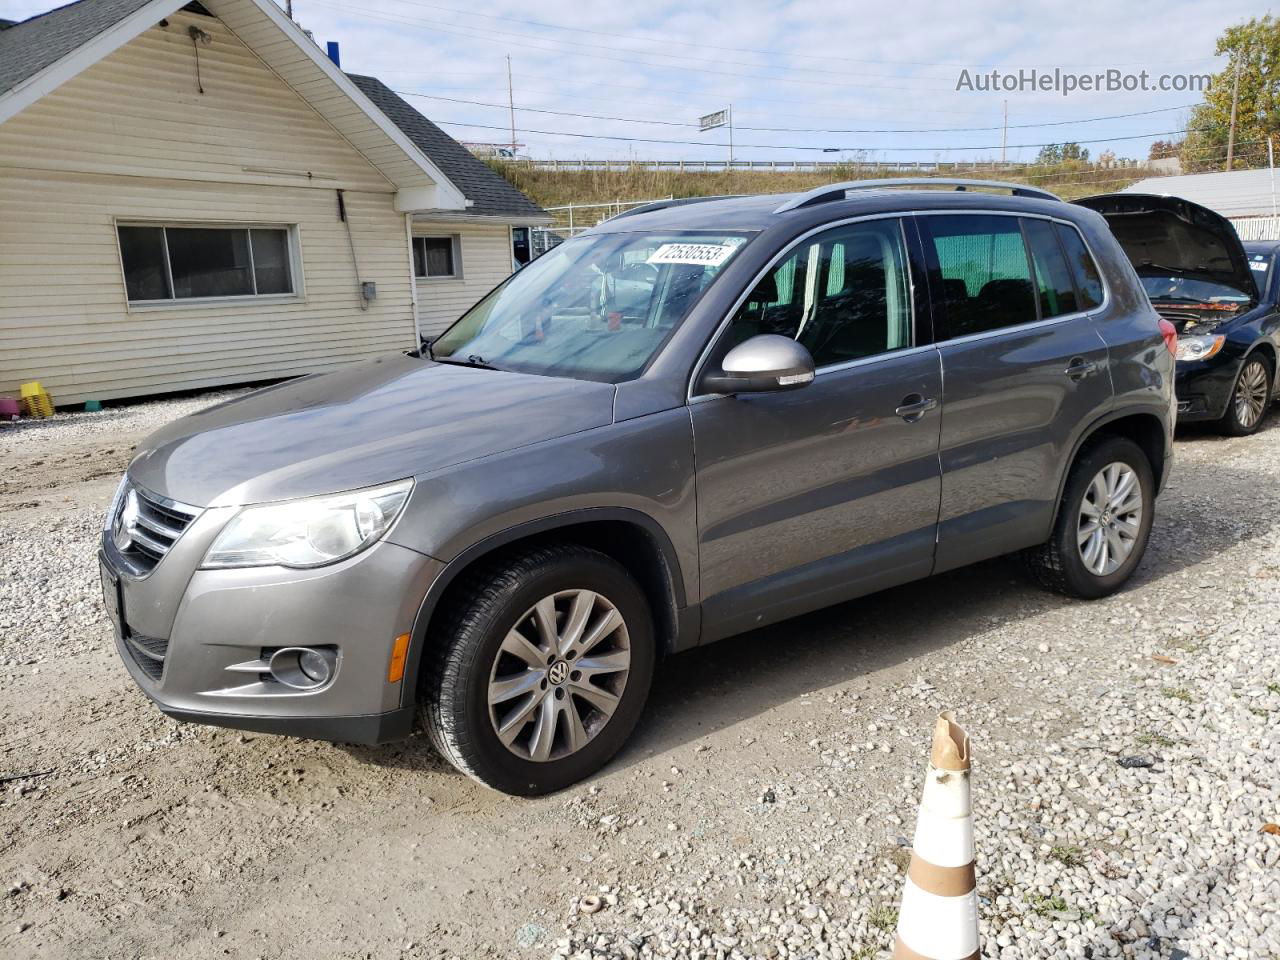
{"x":551,"y":188}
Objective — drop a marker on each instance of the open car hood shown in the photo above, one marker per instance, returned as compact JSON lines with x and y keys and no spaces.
{"x":1169,"y":236}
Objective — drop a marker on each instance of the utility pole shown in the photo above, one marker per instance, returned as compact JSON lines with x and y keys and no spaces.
{"x":288,"y":9}
{"x":731,"y":136}
{"x":1271,"y":162}
{"x":1004,"y":132}
{"x":511,"y":106}
{"x":1235,"y":101}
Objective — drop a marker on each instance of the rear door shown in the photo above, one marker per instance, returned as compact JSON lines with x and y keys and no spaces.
{"x":816,"y":495}
{"x":1023,"y":366}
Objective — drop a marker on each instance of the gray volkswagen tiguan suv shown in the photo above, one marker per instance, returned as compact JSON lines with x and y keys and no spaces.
{"x":695,"y":419}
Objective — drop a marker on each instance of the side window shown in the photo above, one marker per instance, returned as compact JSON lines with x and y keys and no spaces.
{"x":1053,"y":277}
{"x":1088,"y":280}
{"x":844,"y":294}
{"x":981,"y":265}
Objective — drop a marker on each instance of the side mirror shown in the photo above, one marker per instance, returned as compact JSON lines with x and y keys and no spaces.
{"x":763,"y":363}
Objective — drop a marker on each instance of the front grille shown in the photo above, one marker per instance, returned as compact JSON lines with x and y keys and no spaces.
{"x":154,"y":525}
{"x":148,"y":653}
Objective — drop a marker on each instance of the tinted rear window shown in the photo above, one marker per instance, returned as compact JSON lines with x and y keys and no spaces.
{"x":980,"y":266}
{"x":1053,"y":276}
{"x":1088,"y":279}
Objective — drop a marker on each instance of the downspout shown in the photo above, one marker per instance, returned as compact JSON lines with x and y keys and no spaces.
{"x":351,"y":242}
{"x":413,"y":280}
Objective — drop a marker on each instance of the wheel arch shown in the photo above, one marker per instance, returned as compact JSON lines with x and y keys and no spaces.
{"x":631,"y":537}
{"x":1143,"y":428}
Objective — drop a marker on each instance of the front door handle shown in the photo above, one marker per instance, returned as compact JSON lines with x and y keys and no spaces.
{"x":1079,"y":368}
{"x":914,"y":406}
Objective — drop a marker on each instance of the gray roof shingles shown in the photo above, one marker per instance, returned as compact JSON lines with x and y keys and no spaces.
{"x":28,"y":47}
{"x":490,"y":193}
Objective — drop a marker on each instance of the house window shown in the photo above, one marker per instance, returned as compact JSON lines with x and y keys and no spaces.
{"x":195,"y":263}
{"x":436,"y":257}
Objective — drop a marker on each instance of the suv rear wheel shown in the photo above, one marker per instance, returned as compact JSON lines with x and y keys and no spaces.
{"x":542,"y":669}
{"x":1104,"y":522}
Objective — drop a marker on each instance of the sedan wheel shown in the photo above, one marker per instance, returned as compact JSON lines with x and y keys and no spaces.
{"x":559,"y":675}
{"x":1110,"y":519}
{"x":1253,"y":391}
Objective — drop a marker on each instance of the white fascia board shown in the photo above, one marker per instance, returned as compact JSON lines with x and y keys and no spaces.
{"x":80,"y":59}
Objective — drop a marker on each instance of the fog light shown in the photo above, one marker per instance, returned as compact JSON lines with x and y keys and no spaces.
{"x":314,"y":665}
{"x":303,"y":668}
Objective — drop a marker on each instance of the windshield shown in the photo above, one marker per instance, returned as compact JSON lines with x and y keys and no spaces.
{"x":597,"y":307}
{"x":1187,"y":290}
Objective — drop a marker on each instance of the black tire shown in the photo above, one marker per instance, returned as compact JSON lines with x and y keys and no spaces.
{"x":1058,"y":564}
{"x":489,"y":604}
{"x":1232,"y":424}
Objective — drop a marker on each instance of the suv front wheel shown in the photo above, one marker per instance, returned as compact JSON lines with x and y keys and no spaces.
{"x":1103,"y":524}
{"x":541,"y":671}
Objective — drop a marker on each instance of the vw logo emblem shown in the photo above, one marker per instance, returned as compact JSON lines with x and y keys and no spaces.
{"x":558,"y":673}
{"x":126,"y":524}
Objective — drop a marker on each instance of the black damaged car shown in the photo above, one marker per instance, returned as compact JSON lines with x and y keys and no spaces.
{"x":1218,"y":292}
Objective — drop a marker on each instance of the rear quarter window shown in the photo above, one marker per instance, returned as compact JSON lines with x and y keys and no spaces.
{"x":1085,"y":270}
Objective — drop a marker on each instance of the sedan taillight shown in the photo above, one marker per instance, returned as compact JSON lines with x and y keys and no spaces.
{"x":1170,"y":334}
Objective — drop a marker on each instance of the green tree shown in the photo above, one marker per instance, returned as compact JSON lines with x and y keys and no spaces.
{"x":1163,"y":149}
{"x":1060,"y":153}
{"x":1252,"y":48}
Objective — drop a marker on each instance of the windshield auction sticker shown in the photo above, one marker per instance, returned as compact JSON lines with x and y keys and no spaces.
{"x":704,"y":254}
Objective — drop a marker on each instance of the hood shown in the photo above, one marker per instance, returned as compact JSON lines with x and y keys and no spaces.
{"x":364,"y":424}
{"x":1172,"y":237}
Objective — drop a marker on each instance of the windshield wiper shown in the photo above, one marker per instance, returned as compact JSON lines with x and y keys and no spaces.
{"x":473,"y":360}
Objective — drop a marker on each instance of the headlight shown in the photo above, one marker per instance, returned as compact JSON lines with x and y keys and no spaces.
{"x":1199,"y":348}
{"x":308,"y":533}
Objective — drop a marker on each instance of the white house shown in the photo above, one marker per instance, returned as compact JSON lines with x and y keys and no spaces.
{"x":193,"y":194}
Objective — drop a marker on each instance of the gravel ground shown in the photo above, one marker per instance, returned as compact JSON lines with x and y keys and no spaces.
{"x":1125,"y":768}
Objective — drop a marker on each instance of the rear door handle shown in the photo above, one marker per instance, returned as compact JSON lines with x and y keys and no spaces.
{"x":914,"y":406}
{"x":1079,"y":368}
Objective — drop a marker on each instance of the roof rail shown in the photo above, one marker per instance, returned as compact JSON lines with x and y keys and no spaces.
{"x":663,"y":204}
{"x":837,"y":191}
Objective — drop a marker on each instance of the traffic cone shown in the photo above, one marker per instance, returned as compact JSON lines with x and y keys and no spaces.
{"x":939,"y":915}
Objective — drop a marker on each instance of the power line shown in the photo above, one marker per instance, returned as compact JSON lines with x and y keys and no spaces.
{"x":679,"y":123}
{"x":672,"y":41}
{"x":780,"y":146}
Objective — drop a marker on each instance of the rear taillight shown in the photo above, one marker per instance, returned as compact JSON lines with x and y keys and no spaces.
{"x":1170,"y":334}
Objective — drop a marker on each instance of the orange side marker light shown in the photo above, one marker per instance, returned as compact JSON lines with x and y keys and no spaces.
{"x":399,"y":651}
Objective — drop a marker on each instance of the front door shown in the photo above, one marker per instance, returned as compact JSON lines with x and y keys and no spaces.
{"x":1025,"y":369}
{"x":813,"y":496}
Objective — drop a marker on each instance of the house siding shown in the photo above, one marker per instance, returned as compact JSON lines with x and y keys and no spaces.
{"x":132,"y":139}
{"x":486,"y":262}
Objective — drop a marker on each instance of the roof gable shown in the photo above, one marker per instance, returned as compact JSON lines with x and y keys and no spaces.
{"x":491,"y":195}
{"x":51,"y":48}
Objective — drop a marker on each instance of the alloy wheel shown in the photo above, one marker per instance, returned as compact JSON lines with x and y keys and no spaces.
{"x":559,"y":675}
{"x":1110,"y":519}
{"x":1250,"y":397}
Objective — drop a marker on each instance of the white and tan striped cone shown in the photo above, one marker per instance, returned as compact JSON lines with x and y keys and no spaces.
{"x":939,"y":915}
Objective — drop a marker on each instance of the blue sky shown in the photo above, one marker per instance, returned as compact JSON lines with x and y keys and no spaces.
{"x":806,"y":65}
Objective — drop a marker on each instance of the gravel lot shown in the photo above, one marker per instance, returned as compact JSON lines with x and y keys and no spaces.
{"x":1125,"y":767}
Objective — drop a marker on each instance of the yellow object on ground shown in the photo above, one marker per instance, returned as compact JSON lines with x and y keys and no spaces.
{"x":35,"y":402}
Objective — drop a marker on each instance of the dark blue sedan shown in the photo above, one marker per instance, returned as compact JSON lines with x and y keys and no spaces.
{"x":1221,"y":295}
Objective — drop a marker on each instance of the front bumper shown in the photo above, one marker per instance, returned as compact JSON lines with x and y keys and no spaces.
{"x":191,"y":638}
{"x":1203,"y":388}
